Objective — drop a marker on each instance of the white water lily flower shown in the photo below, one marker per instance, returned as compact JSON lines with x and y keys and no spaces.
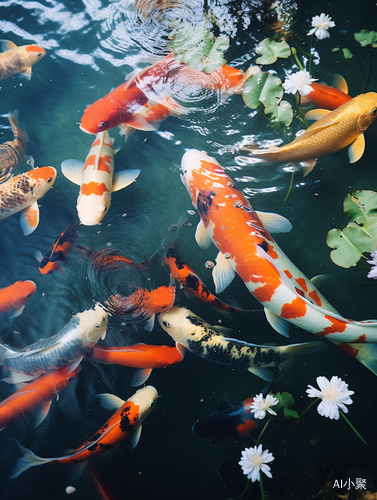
{"x":373,"y":272}
{"x":260,"y":405}
{"x":334,"y":394}
{"x":299,"y":82}
{"x":321,"y":25}
{"x":254,"y":460}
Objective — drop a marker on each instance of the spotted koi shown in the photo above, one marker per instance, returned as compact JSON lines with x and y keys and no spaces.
{"x":15,"y":59}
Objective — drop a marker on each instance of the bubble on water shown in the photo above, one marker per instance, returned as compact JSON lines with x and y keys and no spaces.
{"x":227,"y":255}
{"x":108,"y":244}
{"x":191,"y":212}
{"x":237,"y":204}
{"x":209,"y":264}
{"x":223,"y":228}
{"x":69,"y":490}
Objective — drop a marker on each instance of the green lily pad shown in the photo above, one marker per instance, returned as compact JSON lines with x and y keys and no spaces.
{"x":271,"y":50}
{"x":289,"y":413}
{"x":360,"y":204}
{"x":286,"y":401}
{"x":347,"y":54}
{"x":264,"y":88}
{"x":366,"y":37}
{"x":279,"y":114}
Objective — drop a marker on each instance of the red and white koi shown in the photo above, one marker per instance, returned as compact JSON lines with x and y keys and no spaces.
{"x":97,"y":179}
{"x":246,"y":248}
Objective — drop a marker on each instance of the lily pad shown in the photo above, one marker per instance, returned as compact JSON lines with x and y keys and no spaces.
{"x":280,"y":114}
{"x":286,"y":400}
{"x":360,"y":204}
{"x":347,"y":54}
{"x":366,"y":37}
{"x":262,"y":87}
{"x":271,"y":50}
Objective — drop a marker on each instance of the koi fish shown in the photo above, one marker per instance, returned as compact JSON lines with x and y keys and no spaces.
{"x":101,"y":488}
{"x":37,"y":395}
{"x":15,"y":59}
{"x":81,"y":333}
{"x":208,"y":342}
{"x":97,"y":179}
{"x":20,"y":193}
{"x":246,"y":248}
{"x":109,"y":259}
{"x":228,"y":422}
{"x":126,"y":420}
{"x":13,"y":153}
{"x":14,"y":297}
{"x":326,"y":97}
{"x":334,"y":130}
{"x":58,"y":251}
{"x":143,"y":303}
{"x":141,"y":356}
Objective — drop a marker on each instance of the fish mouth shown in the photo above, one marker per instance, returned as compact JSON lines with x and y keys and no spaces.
{"x":84,"y":130}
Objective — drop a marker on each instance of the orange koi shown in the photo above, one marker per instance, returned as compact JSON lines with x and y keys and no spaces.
{"x":126,"y":420}
{"x":14,"y":297}
{"x":58,"y":251}
{"x":326,"y":97}
{"x":108,"y":259}
{"x":37,"y":395}
{"x":102,"y":489}
{"x":18,"y":59}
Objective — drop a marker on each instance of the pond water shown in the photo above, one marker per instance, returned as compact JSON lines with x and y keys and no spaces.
{"x":91,"y":46}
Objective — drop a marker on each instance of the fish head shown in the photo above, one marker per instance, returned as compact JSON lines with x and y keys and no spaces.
{"x":44,"y":178}
{"x":162,"y":298}
{"x":93,"y":203}
{"x":175,"y":324}
{"x":65,"y":375}
{"x":145,"y":398}
{"x":231,"y":77}
{"x":368,"y":107}
{"x":22,"y":291}
{"x":102,"y":115}
{"x":92,"y":324}
{"x":35,"y":53}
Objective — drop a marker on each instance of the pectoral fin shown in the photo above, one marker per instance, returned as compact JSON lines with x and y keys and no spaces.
{"x":42,"y":413}
{"x":72,"y":170}
{"x":316,"y":114}
{"x":141,"y":376}
{"x":340,"y":83}
{"x":124,"y":178}
{"x":140,"y":123}
{"x":356,"y":149}
{"x":278,"y":324}
{"x":274,"y":223}
{"x":7,"y":45}
{"x":223,"y":273}
{"x":26,"y":73}
{"x":308,"y":165}
{"x":135,"y":437}
{"x":201,"y":236}
{"x":29,"y":218}
{"x":110,"y":402}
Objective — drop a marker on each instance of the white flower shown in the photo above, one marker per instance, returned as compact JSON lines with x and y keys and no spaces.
{"x":373,"y":272}
{"x":321,"y":25}
{"x":254,"y":460}
{"x":260,"y":405}
{"x":334,"y":394}
{"x":299,"y":82}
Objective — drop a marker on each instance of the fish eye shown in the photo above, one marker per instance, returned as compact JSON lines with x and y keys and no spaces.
{"x":166,"y":324}
{"x":374,"y":111}
{"x":28,"y":295}
{"x":102,"y":124}
{"x":49,"y":180}
{"x":39,"y":54}
{"x":69,"y":379}
{"x":163,"y":307}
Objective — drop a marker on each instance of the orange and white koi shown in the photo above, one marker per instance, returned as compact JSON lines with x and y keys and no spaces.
{"x":334,"y":130}
{"x":246,"y":248}
{"x":37,"y":395}
{"x":20,"y":193}
{"x":97,"y":179}
{"x":145,"y":357}
{"x":58,"y":251}
{"x":143,"y":303}
{"x":126,"y":420}
{"x":15,"y":59}
{"x":14,"y":297}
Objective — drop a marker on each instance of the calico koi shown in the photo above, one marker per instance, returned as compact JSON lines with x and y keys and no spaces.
{"x":58,"y":251}
{"x":20,"y":193}
{"x":97,"y":179}
{"x":14,"y":297}
{"x":37,"y":395}
{"x":126,"y":420}
{"x":15,"y":59}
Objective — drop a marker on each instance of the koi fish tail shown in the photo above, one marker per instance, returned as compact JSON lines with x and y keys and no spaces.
{"x":28,"y":460}
{"x":366,"y":354}
{"x":4,"y":352}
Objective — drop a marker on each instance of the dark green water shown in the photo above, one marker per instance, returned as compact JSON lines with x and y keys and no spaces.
{"x":90,"y":48}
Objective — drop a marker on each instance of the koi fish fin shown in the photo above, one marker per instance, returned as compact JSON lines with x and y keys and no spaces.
{"x":366,"y":354}
{"x":295,"y":350}
{"x":223,"y":273}
{"x":125,"y":130}
{"x":356,"y":149}
{"x":18,"y":378}
{"x":38,"y":255}
{"x":135,"y":437}
{"x":340,"y":83}
{"x":30,"y":160}
{"x":42,"y":413}
{"x":181,"y":349}
{"x":267,"y":374}
{"x":201,"y":236}
{"x":141,"y":376}
{"x":252,"y":70}
{"x":224,"y":403}
{"x":278,"y":324}
{"x":274,"y":223}
{"x":7,"y":45}
{"x":124,"y":178}
{"x":150,"y":323}
{"x":110,"y":401}
{"x":29,"y":218}
{"x":27,"y":461}
{"x":140,"y":123}
{"x":223,"y":330}
{"x":26,"y":73}
{"x":4,"y":352}
{"x":308,"y":165}
{"x":316,"y":114}
{"x":72,"y":170}
{"x":17,"y":312}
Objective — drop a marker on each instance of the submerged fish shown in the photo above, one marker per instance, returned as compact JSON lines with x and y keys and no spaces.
{"x":246,"y":248}
{"x":101,"y":487}
{"x":14,"y":297}
{"x":327,"y":97}
{"x":141,"y":356}
{"x":37,"y":395}
{"x":15,"y":59}
{"x":334,"y":130}
{"x":81,"y":333}
{"x":13,"y":157}
{"x":125,"y":421}
{"x":144,"y":303}
{"x":58,"y":252}
{"x":97,"y":179}
{"x":109,"y":260}
{"x":208,"y":342}
{"x":20,"y":193}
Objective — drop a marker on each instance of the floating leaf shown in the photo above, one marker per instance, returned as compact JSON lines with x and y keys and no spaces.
{"x":347,"y":54}
{"x":271,"y":50}
{"x":280,"y":114}
{"x":289,"y":413}
{"x":264,"y":88}
{"x":360,"y":204}
{"x":366,"y":37}
{"x":286,"y":401}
